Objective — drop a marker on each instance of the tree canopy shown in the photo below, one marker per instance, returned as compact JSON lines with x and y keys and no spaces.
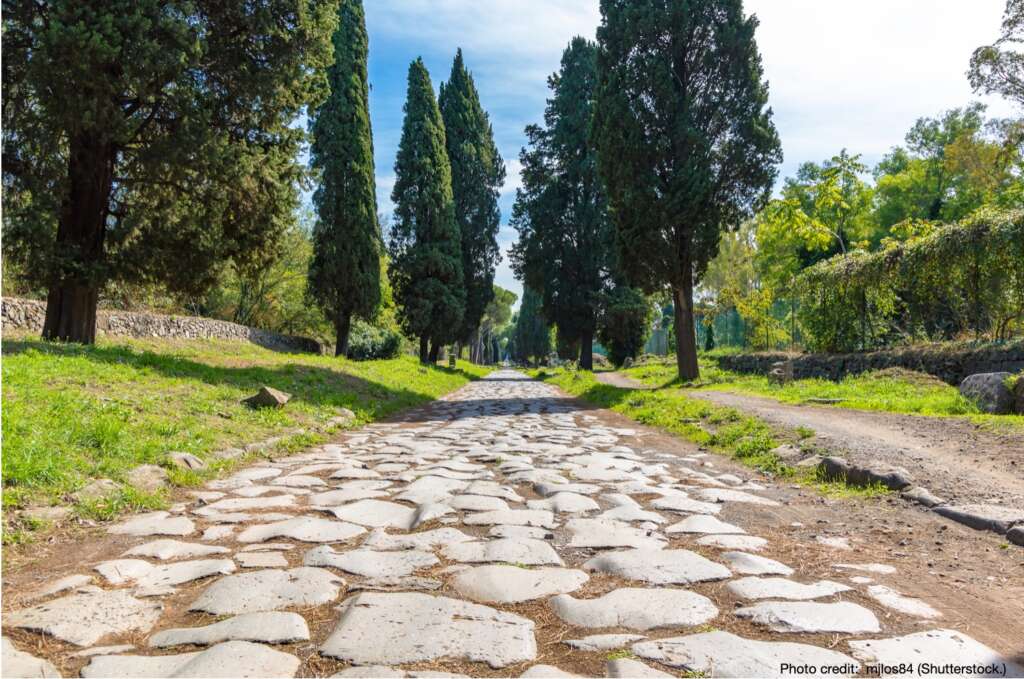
{"x":151,"y":142}
{"x":344,"y":274}
{"x":532,"y":337}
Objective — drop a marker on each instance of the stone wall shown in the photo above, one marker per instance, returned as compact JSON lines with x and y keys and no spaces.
{"x":28,"y":315}
{"x":950,"y":365}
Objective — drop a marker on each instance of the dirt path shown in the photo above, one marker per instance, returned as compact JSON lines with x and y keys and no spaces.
{"x":481,"y":535}
{"x":956,"y":459}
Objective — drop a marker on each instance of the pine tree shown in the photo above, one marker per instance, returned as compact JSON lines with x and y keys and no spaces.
{"x":478,"y":172}
{"x":344,"y":274}
{"x":425,"y":244}
{"x":685,"y":140}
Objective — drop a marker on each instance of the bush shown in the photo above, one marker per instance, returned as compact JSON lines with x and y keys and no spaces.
{"x":367,"y":342}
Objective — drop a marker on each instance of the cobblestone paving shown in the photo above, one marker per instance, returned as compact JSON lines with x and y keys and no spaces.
{"x":502,"y":532}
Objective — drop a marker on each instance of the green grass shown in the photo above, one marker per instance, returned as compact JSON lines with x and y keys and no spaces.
{"x":72,"y":413}
{"x":893,"y":391}
{"x":725,"y":430}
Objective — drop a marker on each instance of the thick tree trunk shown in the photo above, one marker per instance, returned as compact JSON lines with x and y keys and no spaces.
{"x":71,"y":300}
{"x":342,"y":326}
{"x":435,"y":351}
{"x":587,"y":351}
{"x":686,"y":337}
{"x":423,"y":349}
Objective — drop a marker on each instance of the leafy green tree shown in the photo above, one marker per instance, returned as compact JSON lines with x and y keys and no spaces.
{"x":148,"y":141}
{"x":532,"y":332}
{"x":497,"y":317}
{"x":685,"y":140}
{"x":425,"y":244}
{"x":624,"y":324}
{"x":999,"y":68}
{"x":564,"y":248}
{"x":344,"y":275}
{"x":478,"y":172}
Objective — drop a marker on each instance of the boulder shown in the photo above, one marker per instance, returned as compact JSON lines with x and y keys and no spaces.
{"x":838,"y":469}
{"x":1018,"y":394}
{"x":186,"y":461}
{"x":989,"y":392}
{"x":267,"y":397}
{"x":147,"y":477}
{"x":95,"y":490}
{"x":781,"y":373}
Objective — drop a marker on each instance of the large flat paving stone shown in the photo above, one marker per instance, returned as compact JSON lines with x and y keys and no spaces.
{"x":269,"y":627}
{"x":743,"y":543}
{"x":605,"y":533}
{"x":162,"y":579}
{"x":730,"y":495}
{"x":86,"y":617}
{"x":269,"y":590}
{"x":511,"y":584}
{"x":627,"y":667}
{"x":565,"y":503}
{"x":229,"y":659}
{"x":659,"y":566}
{"x":704,"y":524}
{"x":640,"y":609}
{"x":752,"y":564}
{"x":603,"y":642}
{"x":18,"y":664}
{"x":807,"y":616}
{"x":154,"y":523}
{"x":781,"y":588}
{"x":538,"y":518}
{"x":305,"y":528}
{"x":526,"y":551}
{"x":166,"y":550}
{"x":722,"y":654}
{"x":369,"y":563}
{"x":426,"y":540}
{"x":383,"y":671}
{"x":683,"y":504}
{"x":892,"y":599}
{"x":389,"y":629}
{"x":377,"y":514}
{"x":546,"y":672}
{"x":938,"y":648}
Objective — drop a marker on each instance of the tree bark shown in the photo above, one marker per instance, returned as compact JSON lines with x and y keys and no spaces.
{"x":686,"y":338}
{"x":342,"y":326}
{"x":423,"y":349}
{"x":435,"y":350}
{"x":587,"y":351}
{"x":72,"y":297}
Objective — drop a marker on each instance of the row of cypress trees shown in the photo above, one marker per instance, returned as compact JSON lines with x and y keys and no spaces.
{"x":442,"y":244}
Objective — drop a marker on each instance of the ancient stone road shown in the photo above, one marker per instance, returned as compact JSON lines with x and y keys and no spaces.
{"x":511,"y":534}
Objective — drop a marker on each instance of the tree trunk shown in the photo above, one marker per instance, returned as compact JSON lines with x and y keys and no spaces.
{"x":435,"y":350}
{"x":686,"y":339}
{"x":342,"y":326}
{"x":72,"y":297}
{"x":423,"y":349}
{"x":587,"y":351}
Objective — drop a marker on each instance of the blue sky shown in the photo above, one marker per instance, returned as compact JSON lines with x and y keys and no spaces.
{"x":842,"y":74}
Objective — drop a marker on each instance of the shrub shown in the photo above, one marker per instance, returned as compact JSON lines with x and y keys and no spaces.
{"x":367,"y":342}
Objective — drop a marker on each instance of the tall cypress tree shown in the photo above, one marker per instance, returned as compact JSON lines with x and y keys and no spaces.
{"x":478,"y":173}
{"x":685,"y":139}
{"x":344,"y":275}
{"x":425,"y":244}
{"x":532,"y":332}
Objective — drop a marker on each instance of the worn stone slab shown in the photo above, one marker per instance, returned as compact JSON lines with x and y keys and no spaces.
{"x":995,"y":518}
{"x":525,"y":551}
{"x":86,"y":617}
{"x":683,"y":504}
{"x":604,"y":533}
{"x":565,"y":503}
{"x":513,"y":517}
{"x":377,"y":514}
{"x":166,"y":550}
{"x":369,"y":563}
{"x":627,"y":667}
{"x":722,"y":654}
{"x":380,"y":539}
{"x":267,"y":627}
{"x":511,"y":584}
{"x":162,"y":579}
{"x":379,"y":671}
{"x":547,"y":489}
{"x":520,"y":532}
{"x":19,"y":664}
{"x":781,"y":588}
{"x":807,"y":616}
{"x":746,"y":543}
{"x":603,"y":642}
{"x":660,"y":567}
{"x":731,"y":495}
{"x":631,"y":514}
{"x":640,"y":609}
{"x":154,"y":523}
{"x":492,"y":489}
{"x":478,"y":503}
{"x":58,"y":586}
{"x":752,"y":564}
{"x":229,"y":659}
{"x":261,"y":560}
{"x":702,"y":523}
{"x":121,"y":571}
{"x":890,"y":598}
{"x":305,"y":528}
{"x":269,"y":590}
{"x":103,"y":650}
{"x":544,"y":671}
{"x":938,"y":647}
{"x":341,"y":496}
{"x":400,"y":628}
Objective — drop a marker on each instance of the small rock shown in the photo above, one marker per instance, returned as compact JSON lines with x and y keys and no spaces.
{"x":922,"y":496}
{"x":187,"y":461}
{"x":96,"y":490}
{"x":147,"y":477}
{"x":1016,"y":535}
{"x":47,"y":514}
{"x":268,"y":397}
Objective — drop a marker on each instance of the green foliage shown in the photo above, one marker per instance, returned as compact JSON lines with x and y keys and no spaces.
{"x":495,"y":328}
{"x":532,"y":338}
{"x":344,"y":274}
{"x":159,"y":138}
{"x":624,"y":323}
{"x":681,"y":160}
{"x":425,"y":243}
{"x":564,"y":248}
{"x":478,"y":173}
{"x":368,"y":342}
{"x":997,"y":68}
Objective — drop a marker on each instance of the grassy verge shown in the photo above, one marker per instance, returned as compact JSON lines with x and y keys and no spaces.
{"x":893,"y":390}
{"x":724,"y":430}
{"x":73,"y":413}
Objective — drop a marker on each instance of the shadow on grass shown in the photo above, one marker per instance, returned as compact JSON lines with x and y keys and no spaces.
{"x":315,"y":385}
